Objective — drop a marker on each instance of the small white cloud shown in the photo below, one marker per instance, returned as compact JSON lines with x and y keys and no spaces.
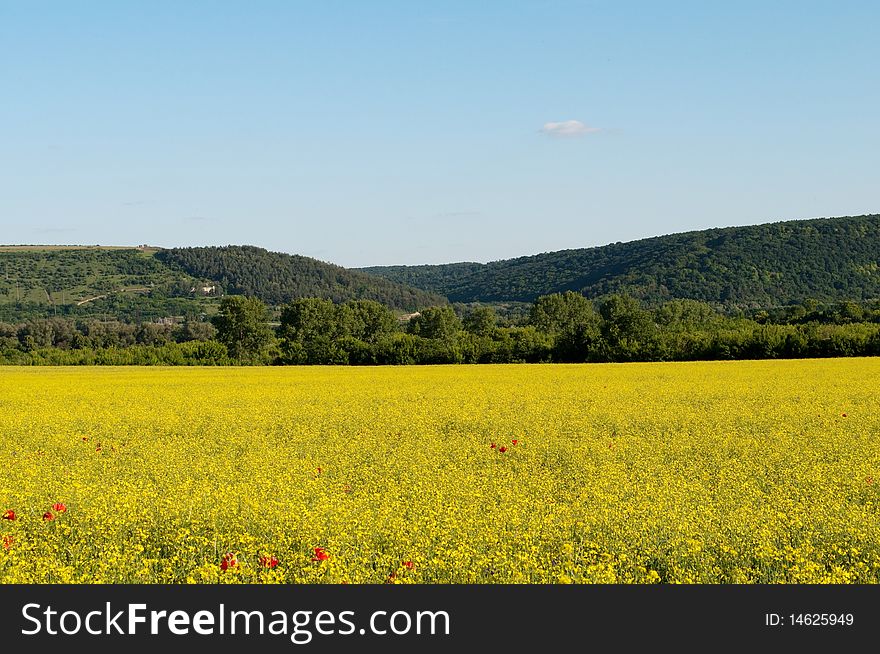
{"x":568,"y":128}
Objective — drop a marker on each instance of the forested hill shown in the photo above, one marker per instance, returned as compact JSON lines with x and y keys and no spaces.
{"x":767,"y":265}
{"x":277,"y":278}
{"x":147,"y":283}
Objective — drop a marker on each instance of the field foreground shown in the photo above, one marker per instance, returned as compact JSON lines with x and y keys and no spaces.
{"x":686,"y":472}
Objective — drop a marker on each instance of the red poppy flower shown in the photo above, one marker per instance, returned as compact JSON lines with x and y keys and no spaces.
{"x":268,"y":561}
{"x":502,"y":449}
{"x":492,"y":446}
{"x":843,"y":415}
{"x":228,"y":561}
{"x":320,"y":470}
{"x":48,"y":516}
{"x":515,"y":441}
{"x":320,"y":554}
{"x":409,"y":565}
{"x":869,"y":480}
{"x":59,"y":507}
{"x":8,"y":542}
{"x":9,"y":514}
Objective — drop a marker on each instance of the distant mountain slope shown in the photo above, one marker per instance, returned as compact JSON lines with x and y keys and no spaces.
{"x":148,"y":283}
{"x":277,"y":278}
{"x":128,"y":283}
{"x":756,"y":266}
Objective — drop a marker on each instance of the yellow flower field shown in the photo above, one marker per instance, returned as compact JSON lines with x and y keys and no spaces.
{"x":677,"y":472}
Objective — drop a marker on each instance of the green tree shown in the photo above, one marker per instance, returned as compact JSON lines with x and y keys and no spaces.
{"x":306,"y":319}
{"x":242,"y":326}
{"x":531,"y":345}
{"x":572,"y":322}
{"x":685,"y":314}
{"x":481,"y":321}
{"x":561,"y":313}
{"x":370,"y":320}
{"x":439,"y":323}
{"x":627,"y":329}
{"x":195,"y":330}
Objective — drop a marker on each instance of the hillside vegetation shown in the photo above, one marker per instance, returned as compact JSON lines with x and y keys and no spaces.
{"x":136,"y":284}
{"x":758,"y":266}
{"x":276,"y":278}
{"x":103,"y":282}
{"x":738,"y":270}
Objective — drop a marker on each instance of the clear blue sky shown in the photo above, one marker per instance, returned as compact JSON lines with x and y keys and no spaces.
{"x":414,"y":132}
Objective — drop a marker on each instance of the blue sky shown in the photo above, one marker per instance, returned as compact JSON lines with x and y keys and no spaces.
{"x":417,"y":132}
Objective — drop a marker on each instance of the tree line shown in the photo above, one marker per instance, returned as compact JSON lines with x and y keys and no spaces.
{"x":561,"y":327}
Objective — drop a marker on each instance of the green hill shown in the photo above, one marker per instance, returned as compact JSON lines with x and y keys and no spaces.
{"x":277,"y":278}
{"x":738,"y":267}
{"x":149,"y":283}
{"x":760,"y":266}
{"x":128,"y":283}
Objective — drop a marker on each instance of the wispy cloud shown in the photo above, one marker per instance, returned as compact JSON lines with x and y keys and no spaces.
{"x":568,"y":129}
{"x":198,"y":219}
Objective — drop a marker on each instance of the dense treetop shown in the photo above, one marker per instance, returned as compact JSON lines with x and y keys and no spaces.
{"x":736,"y":267}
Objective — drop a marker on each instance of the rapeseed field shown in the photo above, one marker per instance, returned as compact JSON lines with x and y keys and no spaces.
{"x":722,"y":472}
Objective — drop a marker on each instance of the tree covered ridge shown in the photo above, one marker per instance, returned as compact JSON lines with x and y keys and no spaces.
{"x":760,"y":266}
{"x":276,"y":278}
